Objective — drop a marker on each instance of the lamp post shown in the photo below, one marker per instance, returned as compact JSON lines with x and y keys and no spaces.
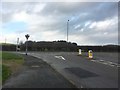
{"x":67,"y":29}
{"x":67,"y":33}
{"x":27,"y":36}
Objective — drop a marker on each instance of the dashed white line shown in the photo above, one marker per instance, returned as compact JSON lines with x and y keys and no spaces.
{"x":35,"y":66}
{"x":93,"y":60}
{"x":107,"y":63}
{"x":118,"y":66}
{"x":101,"y":60}
{"x":112,"y":65}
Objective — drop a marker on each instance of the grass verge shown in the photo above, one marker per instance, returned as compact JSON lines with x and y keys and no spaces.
{"x":5,"y":73}
{"x":10,"y":56}
{"x":11,"y":63}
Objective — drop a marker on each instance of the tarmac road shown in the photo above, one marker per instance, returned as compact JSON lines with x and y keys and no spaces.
{"x":36,"y":73}
{"x":107,"y":56}
{"x":100,"y":72}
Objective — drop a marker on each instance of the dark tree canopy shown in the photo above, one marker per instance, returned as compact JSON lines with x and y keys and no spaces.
{"x":60,"y":45}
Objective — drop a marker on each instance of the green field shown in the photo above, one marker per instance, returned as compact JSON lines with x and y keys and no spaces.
{"x":6,"y":44}
{"x":11,"y":62}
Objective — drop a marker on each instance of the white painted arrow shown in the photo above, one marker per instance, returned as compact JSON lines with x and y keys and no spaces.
{"x":60,"y":57}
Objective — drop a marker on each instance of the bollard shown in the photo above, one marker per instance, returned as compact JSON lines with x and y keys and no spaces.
{"x":90,"y":54}
{"x":80,"y":52}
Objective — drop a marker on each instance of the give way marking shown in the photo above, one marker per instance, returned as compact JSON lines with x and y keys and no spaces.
{"x":60,"y":57}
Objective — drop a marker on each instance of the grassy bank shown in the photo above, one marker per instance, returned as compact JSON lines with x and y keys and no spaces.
{"x":5,"y":73}
{"x":10,"y":63}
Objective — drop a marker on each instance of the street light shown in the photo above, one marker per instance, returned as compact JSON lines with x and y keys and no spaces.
{"x":67,"y":33}
{"x":67,"y":29}
{"x":27,"y":36}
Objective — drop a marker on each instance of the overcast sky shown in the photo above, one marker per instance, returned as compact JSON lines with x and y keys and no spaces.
{"x":90,"y":23}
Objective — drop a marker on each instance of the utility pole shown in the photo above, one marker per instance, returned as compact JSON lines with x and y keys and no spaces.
{"x":27,"y":36}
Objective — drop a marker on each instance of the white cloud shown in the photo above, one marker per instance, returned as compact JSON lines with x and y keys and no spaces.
{"x":35,"y":23}
{"x":104,"y":25}
{"x":12,"y":37}
{"x":87,"y":23}
{"x":47,"y":36}
{"x":77,"y":26}
{"x":39,"y":7}
{"x":93,"y":25}
{"x":81,"y":39}
{"x":21,"y":16}
{"x":82,"y":30}
{"x":47,"y":21}
{"x":105,"y":33}
{"x":60,"y":0}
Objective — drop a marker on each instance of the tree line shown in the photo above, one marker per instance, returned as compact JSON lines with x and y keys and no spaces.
{"x":58,"y":46}
{"x":49,"y":46}
{"x":105,"y":48}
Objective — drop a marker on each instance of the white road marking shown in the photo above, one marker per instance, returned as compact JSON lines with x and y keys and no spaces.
{"x":106,"y":63}
{"x":110,"y":62}
{"x":35,"y":66}
{"x":101,"y":60}
{"x":118,"y":66}
{"x":63,"y":58}
{"x":112,"y":65}
{"x":81,"y":86}
{"x":93,"y":60}
{"x":60,"y":57}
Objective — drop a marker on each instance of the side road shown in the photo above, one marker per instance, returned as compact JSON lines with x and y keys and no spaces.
{"x":36,"y":73}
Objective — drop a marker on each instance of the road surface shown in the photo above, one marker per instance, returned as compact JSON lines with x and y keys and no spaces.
{"x":36,"y":73}
{"x":100,"y":72}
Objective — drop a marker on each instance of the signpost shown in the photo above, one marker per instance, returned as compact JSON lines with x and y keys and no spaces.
{"x":27,"y":36}
{"x":17,"y":49}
